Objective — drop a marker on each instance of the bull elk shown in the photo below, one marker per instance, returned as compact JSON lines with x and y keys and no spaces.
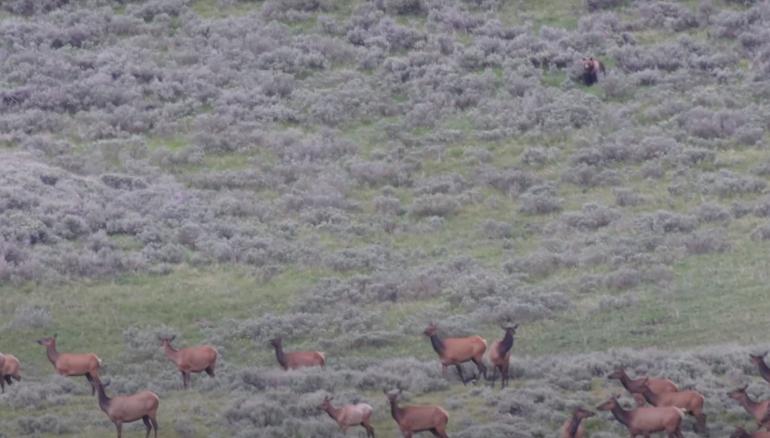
{"x":72,"y":364}
{"x":190,"y":360}
{"x":499,"y":354}
{"x":456,"y":351}
{"x":350,"y":415}
{"x":297,"y":359}
{"x":759,"y":410}
{"x":414,"y":419}
{"x":742,"y":433}
{"x":635,"y":386}
{"x":10,"y":368}
{"x":129,"y":408}
{"x":690,"y":401}
{"x":574,"y":427}
{"x":759,"y":361}
{"x":644,"y":421}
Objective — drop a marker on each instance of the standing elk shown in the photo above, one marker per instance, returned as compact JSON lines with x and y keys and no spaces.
{"x":414,"y":419}
{"x":759,"y":361}
{"x":455,"y":351}
{"x":690,"y":401}
{"x":190,"y":360}
{"x":297,"y":359}
{"x":644,"y":421}
{"x":499,"y":354}
{"x":742,"y":433}
{"x":129,"y":408}
{"x":759,"y":410}
{"x":350,"y":415}
{"x":574,"y":427}
{"x":636,"y":386}
{"x":72,"y":364}
{"x":10,"y":368}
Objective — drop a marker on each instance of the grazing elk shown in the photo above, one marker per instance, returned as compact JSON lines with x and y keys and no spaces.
{"x":635,"y":386}
{"x":72,"y":364}
{"x":350,"y":415}
{"x":690,"y":401}
{"x":413,"y":419}
{"x":129,"y":408}
{"x":499,"y":354}
{"x":455,"y":351}
{"x":644,"y":421}
{"x":759,"y":410}
{"x":574,"y":427}
{"x":742,"y":433}
{"x":759,"y":361}
{"x":190,"y":360}
{"x":297,"y":359}
{"x":10,"y":368}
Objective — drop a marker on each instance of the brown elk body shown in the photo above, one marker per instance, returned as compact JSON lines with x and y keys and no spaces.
{"x":10,"y":370}
{"x":574,"y":427}
{"x":636,"y":386}
{"x":191,"y":360}
{"x":455,"y":351}
{"x":414,"y":419}
{"x":690,"y":401}
{"x":759,"y":410}
{"x":499,"y":354}
{"x":759,"y":361}
{"x":297,"y":359}
{"x":742,"y":433}
{"x":644,"y":421}
{"x":129,"y":408}
{"x":350,"y":415}
{"x":72,"y":364}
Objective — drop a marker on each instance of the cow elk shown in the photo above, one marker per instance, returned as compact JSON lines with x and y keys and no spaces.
{"x":10,"y":370}
{"x":297,"y":359}
{"x":635,"y":386}
{"x":499,"y":353}
{"x":129,"y":408}
{"x":690,"y":401}
{"x":414,"y":419}
{"x":574,"y":427}
{"x":759,"y":361}
{"x":759,"y":410}
{"x":456,"y":351}
{"x":350,"y":415}
{"x":190,"y":360}
{"x":742,"y":433}
{"x":72,"y":364}
{"x":644,"y":421}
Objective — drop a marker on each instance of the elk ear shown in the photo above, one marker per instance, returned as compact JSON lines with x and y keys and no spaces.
{"x":515,"y":326}
{"x":55,"y":335}
{"x":172,"y":338}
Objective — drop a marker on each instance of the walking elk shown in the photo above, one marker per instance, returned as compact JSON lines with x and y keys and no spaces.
{"x":9,"y":369}
{"x":350,"y":415}
{"x":72,"y":364}
{"x":635,"y":386}
{"x":297,"y":359}
{"x":129,"y":408}
{"x":574,"y":427}
{"x":759,"y":410}
{"x":644,"y":421}
{"x":413,"y":419}
{"x":690,"y":401}
{"x":499,"y":354}
{"x":190,"y":360}
{"x":455,"y":351}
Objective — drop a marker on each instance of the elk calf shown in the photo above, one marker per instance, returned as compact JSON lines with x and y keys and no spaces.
{"x":129,"y":408}
{"x":72,"y":364}
{"x":644,"y":421}
{"x":635,"y":386}
{"x":190,"y":360}
{"x":574,"y":427}
{"x":10,"y":368}
{"x":455,"y":351}
{"x":297,"y":359}
{"x":414,"y":419}
{"x":689,"y":401}
{"x":499,"y":353}
{"x":350,"y":415}
{"x":759,"y":410}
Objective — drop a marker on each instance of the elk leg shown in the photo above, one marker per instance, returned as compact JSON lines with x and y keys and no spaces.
{"x":443,"y":370}
{"x":210,"y":370}
{"x":2,"y":383}
{"x":146,"y":420}
{"x":119,"y":426}
{"x":154,"y":425}
{"x":505,"y":376}
{"x":184,"y":380}
{"x":700,"y":423}
{"x":91,"y":381}
{"x":480,"y":365}
{"x":369,"y":429}
{"x":460,"y":372}
{"x":9,"y":381}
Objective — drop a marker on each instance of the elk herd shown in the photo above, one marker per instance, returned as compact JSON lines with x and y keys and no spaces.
{"x":661,"y":406}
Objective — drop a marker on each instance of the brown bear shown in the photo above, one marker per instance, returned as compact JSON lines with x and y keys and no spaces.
{"x":591,"y":69}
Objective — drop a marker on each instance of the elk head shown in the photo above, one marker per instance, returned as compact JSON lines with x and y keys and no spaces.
{"x":431,"y":330}
{"x":610,"y":404}
{"x":47,"y":342}
{"x":581,"y":413}
{"x":738,"y":394}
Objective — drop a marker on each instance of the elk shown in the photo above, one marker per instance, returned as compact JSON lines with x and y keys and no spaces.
{"x":190,"y":360}
{"x":644,"y":421}
{"x":129,"y":408}
{"x":9,"y":369}
{"x":574,"y":426}
{"x":742,"y":433}
{"x":759,"y":410}
{"x":413,"y":419}
{"x":350,"y":415}
{"x":297,"y":359}
{"x":635,"y":386}
{"x":759,"y":361}
{"x":499,"y":354}
{"x":72,"y":364}
{"x":690,"y":401}
{"x":455,"y":351}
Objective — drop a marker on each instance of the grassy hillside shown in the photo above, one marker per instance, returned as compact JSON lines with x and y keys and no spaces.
{"x":341,"y":173}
